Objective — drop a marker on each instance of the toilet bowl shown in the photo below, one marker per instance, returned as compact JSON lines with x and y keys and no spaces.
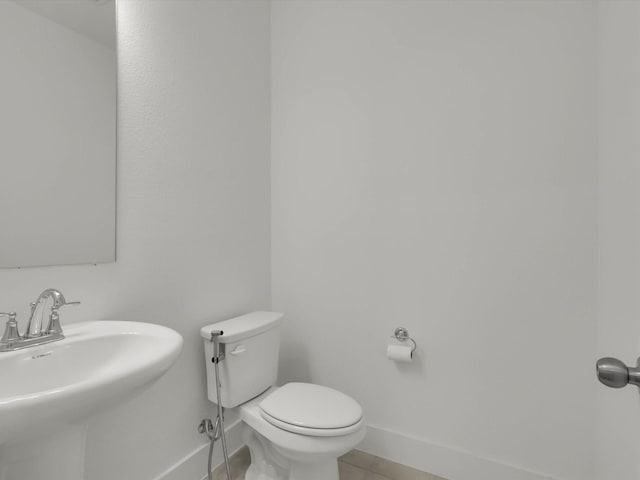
{"x":294,"y":432}
{"x":309,"y":454}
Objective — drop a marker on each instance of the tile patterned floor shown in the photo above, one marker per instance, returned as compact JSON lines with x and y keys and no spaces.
{"x":355,"y":465}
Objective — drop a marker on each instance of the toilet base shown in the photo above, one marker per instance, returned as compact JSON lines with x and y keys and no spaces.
{"x":267,"y":463}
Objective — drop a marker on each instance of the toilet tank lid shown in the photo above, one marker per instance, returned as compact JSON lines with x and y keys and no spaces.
{"x":242,"y":327}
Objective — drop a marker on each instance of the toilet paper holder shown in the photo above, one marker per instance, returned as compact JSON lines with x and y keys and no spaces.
{"x":402,"y":335}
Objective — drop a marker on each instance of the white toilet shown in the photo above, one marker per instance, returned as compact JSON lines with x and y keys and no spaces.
{"x":294,"y":432}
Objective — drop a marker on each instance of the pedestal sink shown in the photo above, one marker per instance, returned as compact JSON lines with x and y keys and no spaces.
{"x":48,"y":392}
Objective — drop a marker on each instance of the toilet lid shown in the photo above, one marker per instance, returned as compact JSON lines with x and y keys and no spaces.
{"x":311,"y":407}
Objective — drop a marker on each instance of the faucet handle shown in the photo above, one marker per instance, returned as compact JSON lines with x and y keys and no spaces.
{"x":54,"y":318}
{"x":11,"y":333}
{"x":58,"y":307}
{"x":55,"y":308}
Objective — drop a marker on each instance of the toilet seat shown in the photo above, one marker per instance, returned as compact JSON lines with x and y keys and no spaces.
{"x":312,"y":410}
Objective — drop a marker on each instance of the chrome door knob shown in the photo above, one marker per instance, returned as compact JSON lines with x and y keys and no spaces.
{"x":615,"y":374}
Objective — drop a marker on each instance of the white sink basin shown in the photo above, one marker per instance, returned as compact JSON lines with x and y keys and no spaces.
{"x":47,"y":388}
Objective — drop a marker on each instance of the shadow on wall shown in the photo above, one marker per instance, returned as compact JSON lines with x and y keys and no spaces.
{"x":294,"y":363}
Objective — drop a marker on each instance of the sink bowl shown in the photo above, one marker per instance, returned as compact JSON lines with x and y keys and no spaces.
{"x":53,"y":388}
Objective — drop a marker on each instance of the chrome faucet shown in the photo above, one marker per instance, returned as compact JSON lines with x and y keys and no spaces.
{"x":33,"y":331}
{"x":35,"y":334}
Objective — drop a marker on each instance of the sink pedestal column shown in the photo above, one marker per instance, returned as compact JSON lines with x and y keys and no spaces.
{"x":54,"y":455}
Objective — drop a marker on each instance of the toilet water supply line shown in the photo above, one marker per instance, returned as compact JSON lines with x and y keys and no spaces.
{"x":206,"y":427}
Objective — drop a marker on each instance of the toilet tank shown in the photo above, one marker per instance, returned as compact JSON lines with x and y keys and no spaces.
{"x":251,"y":346}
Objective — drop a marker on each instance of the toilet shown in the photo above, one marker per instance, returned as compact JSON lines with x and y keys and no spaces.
{"x":294,"y":432}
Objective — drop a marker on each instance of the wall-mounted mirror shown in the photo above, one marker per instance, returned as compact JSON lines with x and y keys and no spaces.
{"x":58,"y":131}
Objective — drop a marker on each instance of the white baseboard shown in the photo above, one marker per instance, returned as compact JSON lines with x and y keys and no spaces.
{"x":194,"y":465}
{"x":440,"y":460}
{"x":444,"y":461}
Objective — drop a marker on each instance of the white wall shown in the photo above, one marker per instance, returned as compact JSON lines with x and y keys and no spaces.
{"x":434,"y":166}
{"x":618,"y":437}
{"x":193,"y":213}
